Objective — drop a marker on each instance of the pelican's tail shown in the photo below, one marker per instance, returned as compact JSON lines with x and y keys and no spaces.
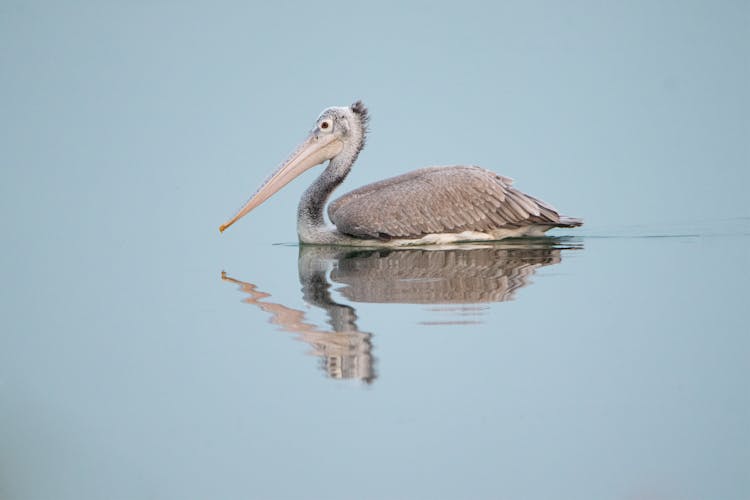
{"x":569,"y":222}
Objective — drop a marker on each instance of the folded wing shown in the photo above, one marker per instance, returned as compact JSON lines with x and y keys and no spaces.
{"x":439,"y":200}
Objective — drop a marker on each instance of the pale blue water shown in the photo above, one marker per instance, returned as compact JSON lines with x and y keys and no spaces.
{"x":143,"y":355}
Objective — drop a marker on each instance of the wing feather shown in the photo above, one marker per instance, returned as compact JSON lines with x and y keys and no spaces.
{"x":437,"y":200}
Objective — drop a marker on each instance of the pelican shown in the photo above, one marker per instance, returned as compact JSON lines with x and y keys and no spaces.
{"x":433,"y":205}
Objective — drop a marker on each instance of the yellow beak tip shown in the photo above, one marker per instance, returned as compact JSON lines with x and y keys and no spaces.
{"x":222,"y":228}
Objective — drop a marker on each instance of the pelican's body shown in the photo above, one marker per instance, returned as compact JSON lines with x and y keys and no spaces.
{"x":434,"y":205}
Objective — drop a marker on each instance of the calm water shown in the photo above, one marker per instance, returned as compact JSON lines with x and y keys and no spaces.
{"x":611,"y":367}
{"x":143,"y":355}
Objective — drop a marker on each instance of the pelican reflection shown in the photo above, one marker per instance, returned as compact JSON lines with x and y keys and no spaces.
{"x":460,"y":279}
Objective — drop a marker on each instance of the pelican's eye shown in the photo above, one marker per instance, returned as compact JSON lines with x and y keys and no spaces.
{"x":326,"y":125}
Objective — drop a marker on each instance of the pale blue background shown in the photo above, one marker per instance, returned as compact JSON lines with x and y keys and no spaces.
{"x":129,"y":131}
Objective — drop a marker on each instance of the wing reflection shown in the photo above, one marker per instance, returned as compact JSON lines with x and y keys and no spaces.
{"x":462,"y":278}
{"x":465,"y":276}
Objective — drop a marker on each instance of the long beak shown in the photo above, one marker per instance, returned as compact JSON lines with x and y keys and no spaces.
{"x":314,"y":151}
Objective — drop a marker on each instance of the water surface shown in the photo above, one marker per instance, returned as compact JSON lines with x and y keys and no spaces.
{"x":143,"y":355}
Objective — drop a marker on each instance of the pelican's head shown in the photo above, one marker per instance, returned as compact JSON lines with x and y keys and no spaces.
{"x":337,"y":131}
{"x":346,"y":123}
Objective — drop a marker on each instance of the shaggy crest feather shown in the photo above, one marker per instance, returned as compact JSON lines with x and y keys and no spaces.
{"x":360,"y":110}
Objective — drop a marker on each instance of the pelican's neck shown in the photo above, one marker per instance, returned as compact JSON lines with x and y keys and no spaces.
{"x":311,"y":224}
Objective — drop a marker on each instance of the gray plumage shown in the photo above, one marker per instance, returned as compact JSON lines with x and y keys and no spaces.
{"x":440,"y":200}
{"x":434,"y":205}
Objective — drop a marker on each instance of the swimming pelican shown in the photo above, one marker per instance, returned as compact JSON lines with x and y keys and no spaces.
{"x":433,"y":205}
